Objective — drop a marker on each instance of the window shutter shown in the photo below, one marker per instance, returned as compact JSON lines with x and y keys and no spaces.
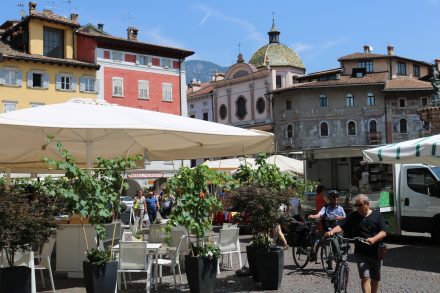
{"x":73,"y":88}
{"x":29,"y":79}
{"x":96,"y":85}
{"x":2,"y":76}
{"x":45,"y":80}
{"x":82,"y":84}
{"x":19,"y":78}
{"x":58,"y":82}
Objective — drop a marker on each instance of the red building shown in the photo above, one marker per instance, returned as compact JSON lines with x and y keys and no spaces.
{"x":133,"y":73}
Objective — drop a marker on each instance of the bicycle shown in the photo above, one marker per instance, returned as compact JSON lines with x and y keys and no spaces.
{"x":305,"y":248}
{"x":341,"y":249}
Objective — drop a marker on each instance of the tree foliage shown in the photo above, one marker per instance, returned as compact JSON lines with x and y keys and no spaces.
{"x":195,"y":202}
{"x":93,"y":194}
{"x":27,"y":218}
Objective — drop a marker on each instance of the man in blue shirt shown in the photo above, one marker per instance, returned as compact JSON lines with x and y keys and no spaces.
{"x":152,"y":206}
{"x":331,"y":213}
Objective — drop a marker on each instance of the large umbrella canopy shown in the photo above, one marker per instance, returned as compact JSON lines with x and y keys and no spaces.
{"x":285,"y":164}
{"x":91,"y":128}
{"x":424,"y":150}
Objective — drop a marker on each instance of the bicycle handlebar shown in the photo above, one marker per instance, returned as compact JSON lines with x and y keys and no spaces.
{"x":352,"y":240}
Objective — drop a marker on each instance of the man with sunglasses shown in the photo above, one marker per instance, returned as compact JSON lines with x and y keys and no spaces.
{"x":368,"y":224}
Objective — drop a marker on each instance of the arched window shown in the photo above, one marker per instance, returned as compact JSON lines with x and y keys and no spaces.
{"x":223,"y":112}
{"x":261,"y":105}
{"x":323,"y":129}
{"x":241,"y":111}
{"x":349,"y":100}
{"x":240,"y":73}
{"x":403,"y":126}
{"x":289,"y":131}
{"x":351,"y":128}
{"x":371,"y":100}
{"x":372,"y":126}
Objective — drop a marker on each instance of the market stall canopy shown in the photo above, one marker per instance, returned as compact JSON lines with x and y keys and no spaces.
{"x":425,"y":150}
{"x":285,"y":164}
{"x":93,"y":128}
{"x":229,"y":165}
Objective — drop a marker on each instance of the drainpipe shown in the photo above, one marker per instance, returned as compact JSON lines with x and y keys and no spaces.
{"x":180,"y":83}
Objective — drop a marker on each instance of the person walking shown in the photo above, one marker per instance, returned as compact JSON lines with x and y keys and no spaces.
{"x":369,"y":224}
{"x":152,"y":206}
{"x":139,"y":206}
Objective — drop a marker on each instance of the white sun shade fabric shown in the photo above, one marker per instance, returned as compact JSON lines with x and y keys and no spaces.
{"x":424,"y":150}
{"x":92,"y":128}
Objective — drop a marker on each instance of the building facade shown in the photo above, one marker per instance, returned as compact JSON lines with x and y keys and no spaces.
{"x":136,"y":74}
{"x":241,"y":99}
{"x":333,"y":115}
{"x":37,"y":62}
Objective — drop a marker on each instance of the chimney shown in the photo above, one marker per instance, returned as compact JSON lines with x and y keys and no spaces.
{"x":74,"y":17}
{"x":101,"y":26}
{"x":132,"y":33}
{"x":390,"y":50}
{"x":367,"y":49}
{"x":32,"y":7}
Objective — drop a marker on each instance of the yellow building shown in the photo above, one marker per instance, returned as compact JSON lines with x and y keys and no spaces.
{"x":37,"y":62}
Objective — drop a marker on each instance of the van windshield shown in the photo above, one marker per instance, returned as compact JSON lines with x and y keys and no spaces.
{"x":436,"y":171}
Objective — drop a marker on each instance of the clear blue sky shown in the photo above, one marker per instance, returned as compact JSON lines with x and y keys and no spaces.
{"x":320,"y":31}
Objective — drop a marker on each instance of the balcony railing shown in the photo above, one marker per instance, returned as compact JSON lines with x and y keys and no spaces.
{"x":374,"y":137}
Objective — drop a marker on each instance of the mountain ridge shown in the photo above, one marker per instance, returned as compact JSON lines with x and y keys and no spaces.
{"x":201,"y":70}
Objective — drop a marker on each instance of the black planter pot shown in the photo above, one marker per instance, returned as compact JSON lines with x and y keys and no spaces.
{"x":270,"y":265}
{"x":201,"y":273}
{"x":251,"y":252}
{"x":100,"y":279}
{"x":15,"y":279}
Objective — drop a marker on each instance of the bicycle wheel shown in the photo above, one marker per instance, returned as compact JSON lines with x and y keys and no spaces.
{"x":342,"y":279}
{"x":328,"y":258}
{"x":301,"y":255}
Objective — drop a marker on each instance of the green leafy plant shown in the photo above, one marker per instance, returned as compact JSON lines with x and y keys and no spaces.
{"x":261,"y":193}
{"x":26,"y":219}
{"x":97,"y":256}
{"x":195,"y":203}
{"x":95,"y":195}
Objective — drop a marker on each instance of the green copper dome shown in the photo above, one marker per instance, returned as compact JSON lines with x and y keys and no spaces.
{"x":277,"y":55}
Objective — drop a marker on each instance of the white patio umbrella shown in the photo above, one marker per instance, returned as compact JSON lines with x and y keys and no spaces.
{"x":91,"y":128}
{"x":424,"y":150}
{"x":285,"y":164}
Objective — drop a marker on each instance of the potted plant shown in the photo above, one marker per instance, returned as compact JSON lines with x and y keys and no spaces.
{"x":26,"y":222}
{"x":195,"y":206}
{"x":95,"y":195}
{"x":260,"y":195}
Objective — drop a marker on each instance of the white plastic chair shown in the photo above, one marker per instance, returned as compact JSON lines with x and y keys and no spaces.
{"x":133,"y":257}
{"x":174,"y":261}
{"x":229,"y":225}
{"x":229,"y":243}
{"x":156,"y":234}
{"x":44,"y":261}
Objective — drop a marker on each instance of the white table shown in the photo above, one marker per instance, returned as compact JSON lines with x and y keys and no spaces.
{"x":154,"y":248}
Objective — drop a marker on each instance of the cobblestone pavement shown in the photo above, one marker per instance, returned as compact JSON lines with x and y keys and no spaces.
{"x":412,"y":265}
